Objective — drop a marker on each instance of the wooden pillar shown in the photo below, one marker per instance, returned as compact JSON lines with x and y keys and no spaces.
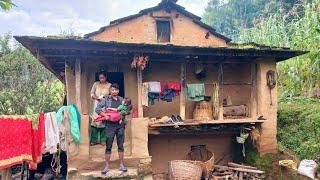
{"x":220,"y":78}
{"x":139,"y":80}
{"x":254,"y":104}
{"x":183,"y":93}
{"x":70,"y":84}
{"x":81,"y":103}
{"x":78,"y":84}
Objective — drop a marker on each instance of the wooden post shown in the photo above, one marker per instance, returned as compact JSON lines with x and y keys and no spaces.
{"x":78,"y":84}
{"x":254,"y":104}
{"x":139,"y":80}
{"x":69,"y":84}
{"x":220,"y":78}
{"x":183,"y":94}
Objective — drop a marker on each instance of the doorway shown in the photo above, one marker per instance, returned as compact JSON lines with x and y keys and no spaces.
{"x":117,"y":77}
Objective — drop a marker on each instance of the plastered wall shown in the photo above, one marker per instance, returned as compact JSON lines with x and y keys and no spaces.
{"x":268,"y":140}
{"x":164,"y":148}
{"x":143,"y":30}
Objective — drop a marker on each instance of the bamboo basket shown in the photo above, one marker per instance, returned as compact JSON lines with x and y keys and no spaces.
{"x":203,"y":111}
{"x":184,"y":170}
{"x":206,"y":166}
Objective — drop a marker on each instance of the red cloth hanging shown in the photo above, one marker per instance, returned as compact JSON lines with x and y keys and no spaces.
{"x":175,"y":86}
{"x":38,"y":143}
{"x":163,"y":86}
{"x":19,"y":141}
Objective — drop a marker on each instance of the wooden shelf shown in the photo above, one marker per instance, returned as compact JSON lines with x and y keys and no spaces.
{"x":225,"y":121}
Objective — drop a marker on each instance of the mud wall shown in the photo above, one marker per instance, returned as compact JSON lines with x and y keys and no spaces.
{"x":143,"y":30}
{"x":164,"y":148}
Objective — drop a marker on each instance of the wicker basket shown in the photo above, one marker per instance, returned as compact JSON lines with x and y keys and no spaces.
{"x":206,"y":166}
{"x":203,"y":111}
{"x":184,"y":170}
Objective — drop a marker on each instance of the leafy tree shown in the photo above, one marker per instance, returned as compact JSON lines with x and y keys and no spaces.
{"x":6,"y":4}
{"x":299,"y":76}
{"x":231,"y":15}
{"x":26,"y":87}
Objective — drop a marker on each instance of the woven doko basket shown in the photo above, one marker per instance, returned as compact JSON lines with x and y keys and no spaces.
{"x":184,"y":170}
{"x":202,"y":111}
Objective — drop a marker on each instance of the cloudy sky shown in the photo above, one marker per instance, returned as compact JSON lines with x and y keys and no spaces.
{"x":50,"y":17}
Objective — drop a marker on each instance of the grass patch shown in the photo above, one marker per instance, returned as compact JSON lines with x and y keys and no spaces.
{"x":299,"y":128}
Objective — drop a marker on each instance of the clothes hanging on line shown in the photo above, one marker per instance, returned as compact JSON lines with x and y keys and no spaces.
{"x":154,"y":87}
{"x":152,"y":97}
{"x":51,"y":132}
{"x":38,"y":143}
{"x":168,"y":95}
{"x":165,"y":91}
{"x":174,"y":86}
{"x":195,"y":92}
{"x":69,"y":131}
{"x":22,"y":139}
{"x":70,"y":114}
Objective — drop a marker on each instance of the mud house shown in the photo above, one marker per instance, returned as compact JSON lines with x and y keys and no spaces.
{"x":175,"y":42}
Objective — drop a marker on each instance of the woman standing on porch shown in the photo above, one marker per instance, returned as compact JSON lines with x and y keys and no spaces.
{"x":99,"y":90}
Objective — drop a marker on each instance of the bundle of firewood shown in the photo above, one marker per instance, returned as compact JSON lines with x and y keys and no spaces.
{"x":235,"y":171}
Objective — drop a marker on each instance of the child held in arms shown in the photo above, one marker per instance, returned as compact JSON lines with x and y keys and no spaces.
{"x":124,"y":109}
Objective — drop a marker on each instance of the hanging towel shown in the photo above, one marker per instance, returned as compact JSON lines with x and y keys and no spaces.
{"x":145,"y":91}
{"x":195,"y":92}
{"x":75,"y":119}
{"x":154,"y":87}
{"x":51,"y":132}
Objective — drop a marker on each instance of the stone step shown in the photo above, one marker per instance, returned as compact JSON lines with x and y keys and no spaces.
{"x":132,"y":173}
{"x":85,"y":169}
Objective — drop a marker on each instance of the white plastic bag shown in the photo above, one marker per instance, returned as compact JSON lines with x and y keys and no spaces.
{"x":308,"y":168}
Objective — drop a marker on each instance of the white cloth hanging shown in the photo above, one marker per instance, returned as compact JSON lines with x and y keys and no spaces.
{"x":154,"y":87}
{"x":51,"y":132}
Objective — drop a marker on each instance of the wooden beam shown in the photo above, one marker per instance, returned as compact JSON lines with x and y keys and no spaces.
{"x":78,"y":70}
{"x":183,"y":93}
{"x":43,"y":60}
{"x":220,"y":78}
{"x":253,"y":95}
{"x":139,"y":81}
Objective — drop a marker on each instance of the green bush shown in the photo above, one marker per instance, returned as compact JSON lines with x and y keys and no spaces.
{"x":299,"y":127}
